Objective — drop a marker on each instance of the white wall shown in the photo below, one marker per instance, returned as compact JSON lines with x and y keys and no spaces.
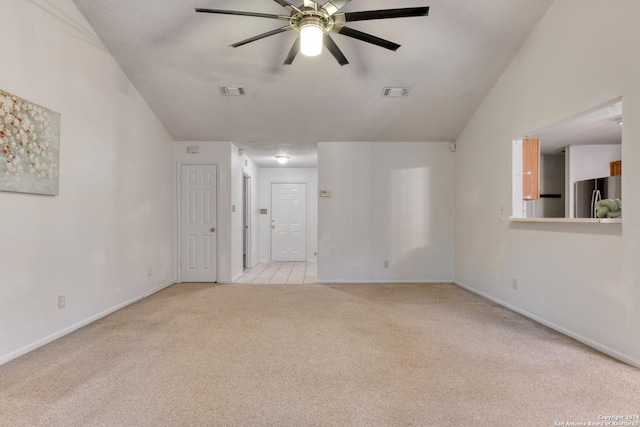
{"x":389,"y":201}
{"x":237,"y":162}
{"x":285,"y":175}
{"x":113,"y":218}
{"x":581,"y":279}
{"x":592,"y":161}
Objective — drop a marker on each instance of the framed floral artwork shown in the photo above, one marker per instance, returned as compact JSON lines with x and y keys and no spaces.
{"x":29,"y":146}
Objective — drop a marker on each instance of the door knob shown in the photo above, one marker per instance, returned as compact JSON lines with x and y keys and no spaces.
{"x":213,"y":229}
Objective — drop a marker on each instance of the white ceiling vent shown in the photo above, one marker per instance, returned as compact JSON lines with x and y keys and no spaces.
{"x":395,"y":92}
{"x":231,"y":91}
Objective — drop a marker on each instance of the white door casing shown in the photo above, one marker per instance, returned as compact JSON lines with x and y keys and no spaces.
{"x":246,"y":221}
{"x":198,"y":236}
{"x":288,"y":222}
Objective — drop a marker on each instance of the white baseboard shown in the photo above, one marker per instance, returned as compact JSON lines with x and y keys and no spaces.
{"x":50,"y":338}
{"x":364,"y":282}
{"x":158,"y":289}
{"x":584,"y":340}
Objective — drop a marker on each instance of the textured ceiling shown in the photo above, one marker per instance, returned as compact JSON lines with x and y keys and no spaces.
{"x":301,"y":155}
{"x":177,"y":59}
{"x":598,"y":125}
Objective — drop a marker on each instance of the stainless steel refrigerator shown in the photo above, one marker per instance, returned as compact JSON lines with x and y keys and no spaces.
{"x":587,"y":193}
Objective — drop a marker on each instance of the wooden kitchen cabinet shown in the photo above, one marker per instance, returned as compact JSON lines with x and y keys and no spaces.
{"x":616,"y":168}
{"x":530,"y":169}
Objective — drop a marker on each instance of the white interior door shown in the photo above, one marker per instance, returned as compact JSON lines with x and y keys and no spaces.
{"x":198,"y":242}
{"x":288,"y":222}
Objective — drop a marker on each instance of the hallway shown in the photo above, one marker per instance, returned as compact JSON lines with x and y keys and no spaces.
{"x":280,"y":272}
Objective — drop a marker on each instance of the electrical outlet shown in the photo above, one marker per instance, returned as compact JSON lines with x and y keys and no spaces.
{"x":501,"y":211}
{"x":149,"y":272}
{"x":62,"y":301}
{"x":515,"y":283}
{"x":386,"y":263}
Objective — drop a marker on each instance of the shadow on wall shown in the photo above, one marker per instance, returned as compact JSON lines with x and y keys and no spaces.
{"x":78,"y":29}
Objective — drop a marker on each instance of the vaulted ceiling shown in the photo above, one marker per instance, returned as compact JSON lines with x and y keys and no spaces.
{"x":178,"y":59}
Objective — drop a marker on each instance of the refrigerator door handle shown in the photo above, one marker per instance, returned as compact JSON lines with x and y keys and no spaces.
{"x":596,"y":198}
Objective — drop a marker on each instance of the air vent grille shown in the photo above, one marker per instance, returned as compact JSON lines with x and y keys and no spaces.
{"x":395,"y":92}
{"x":231,"y":91}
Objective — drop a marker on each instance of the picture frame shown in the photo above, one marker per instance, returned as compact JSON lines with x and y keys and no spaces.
{"x":29,"y":146}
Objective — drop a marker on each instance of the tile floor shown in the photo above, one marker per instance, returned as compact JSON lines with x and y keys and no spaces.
{"x":280,"y":272}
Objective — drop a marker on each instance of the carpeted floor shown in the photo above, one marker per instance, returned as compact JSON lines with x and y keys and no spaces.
{"x":326,"y":355}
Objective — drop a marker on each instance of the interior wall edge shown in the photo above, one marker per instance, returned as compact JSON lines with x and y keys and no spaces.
{"x":66,"y":331}
{"x":625,"y":358}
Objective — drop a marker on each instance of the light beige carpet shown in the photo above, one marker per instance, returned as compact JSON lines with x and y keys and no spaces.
{"x":297,"y":355}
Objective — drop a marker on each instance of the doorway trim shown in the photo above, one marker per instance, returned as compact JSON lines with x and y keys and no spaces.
{"x":178,"y":216}
{"x":247,"y":219}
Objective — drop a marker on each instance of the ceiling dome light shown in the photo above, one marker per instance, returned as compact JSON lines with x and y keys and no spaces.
{"x":311,"y":35}
{"x":282,"y":159}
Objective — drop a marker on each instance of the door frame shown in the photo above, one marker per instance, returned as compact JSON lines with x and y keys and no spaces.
{"x":247,"y":219}
{"x":306,"y":209}
{"x":178,"y":216}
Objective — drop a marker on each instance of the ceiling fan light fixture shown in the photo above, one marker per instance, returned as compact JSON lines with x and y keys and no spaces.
{"x":282,"y":159}
{"x":311,"y":35}
{"x":315,"y":22}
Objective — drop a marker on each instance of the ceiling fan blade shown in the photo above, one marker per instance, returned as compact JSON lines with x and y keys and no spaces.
{"x":287,"y":5}
{"x":310,"y":3}
{"x":359,"y":35}
{"x":332,"y":6}
{"x":406,"y":12}
{"x":262,"y":36}
{"x":293,"y":52}
{"x":335,"y":50}
{"x":237,"y":12}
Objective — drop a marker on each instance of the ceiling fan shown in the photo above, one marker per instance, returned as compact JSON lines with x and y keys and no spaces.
{"x":315,"y":22}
